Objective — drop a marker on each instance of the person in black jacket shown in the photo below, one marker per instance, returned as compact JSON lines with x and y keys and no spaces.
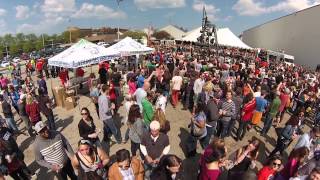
{"x":87,"y":128}
{"x":170,"y":168}
{"x":212,"y":112}
{"x":285,"y":138}
{"x":8,"y":115}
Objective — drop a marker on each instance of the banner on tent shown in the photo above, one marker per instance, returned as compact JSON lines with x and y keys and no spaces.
{"x":81,"y":63}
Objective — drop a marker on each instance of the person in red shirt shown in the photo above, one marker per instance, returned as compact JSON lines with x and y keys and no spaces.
{"x":64,"y":76}
{"x":246,"y":115}
{"x":80,"y":72}
{"x":273,"y":166}
{"x":33,"y":110}
{"x":39,"y":66}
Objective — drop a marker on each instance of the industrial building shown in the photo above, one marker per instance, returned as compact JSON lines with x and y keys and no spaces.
{"x":297,"y":34}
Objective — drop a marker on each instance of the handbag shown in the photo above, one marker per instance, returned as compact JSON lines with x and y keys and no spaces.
{"x":197,"y":131}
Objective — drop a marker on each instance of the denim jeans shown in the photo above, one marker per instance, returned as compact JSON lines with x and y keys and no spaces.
{"x":267,"y":125}
{"x":66,"y":171}
{"x":230,"y":127}
{"x":211,"y":131}
{"x":134,"y":148}
{"x":26,"y":121}
{"x":225,"y":126}
{"x":242,"y":129}
{"x":51,"y":123}
{"x":11,"y":123}
{"x":109,"y":128}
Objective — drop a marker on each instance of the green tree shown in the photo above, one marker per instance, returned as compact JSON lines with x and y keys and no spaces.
{"x":14,"y":49}
{"x":135,"y":34}
{"x":31,"y":37}
{"x":2,"y":49}
{"x":75,"y":35}
{"x":20,"y":37}
{"x":38,"y":45}
{"x":162,"y":35}
{"x":27,"y":46}
{"x":8,"y":39}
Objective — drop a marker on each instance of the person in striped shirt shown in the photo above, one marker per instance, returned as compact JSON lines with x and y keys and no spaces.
{"x":52,"y":150}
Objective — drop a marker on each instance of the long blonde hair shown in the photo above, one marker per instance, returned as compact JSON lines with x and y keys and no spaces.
{"x":29,"y":99}
{"x":160,"y":117}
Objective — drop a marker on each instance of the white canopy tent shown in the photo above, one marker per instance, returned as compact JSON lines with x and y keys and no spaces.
{"x":81,"y":54}
{"x":128,"y":47}
{"x":225,"y":37}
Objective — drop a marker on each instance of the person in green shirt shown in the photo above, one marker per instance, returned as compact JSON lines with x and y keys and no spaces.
{"x":147,"y":109}
{"x":273,"y":111}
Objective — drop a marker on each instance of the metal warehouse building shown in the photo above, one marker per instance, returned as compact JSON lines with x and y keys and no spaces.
{"x":297,"y":34}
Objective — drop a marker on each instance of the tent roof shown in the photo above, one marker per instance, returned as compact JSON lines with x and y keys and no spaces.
{"x":81,"y":54}
{"x":128,"y":47}
{"x":225,"y":37}
{"x":174,"y":32}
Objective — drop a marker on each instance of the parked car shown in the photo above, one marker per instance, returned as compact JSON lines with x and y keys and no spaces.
{"x":5,"y":64}
{"x":16,"y":59}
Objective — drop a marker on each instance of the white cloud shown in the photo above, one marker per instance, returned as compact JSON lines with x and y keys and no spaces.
{"x":4,"y":28}
{"x":45,"y":26}
{"x":23,"y":12}
{"x":149,"y":4}
{"x":88,"y":10}
{"x":3,"y":12}
{"x":210,"y":9}
{"x":58,"y":6}
{"x":3,"y":24}
{"x":256,"y":7}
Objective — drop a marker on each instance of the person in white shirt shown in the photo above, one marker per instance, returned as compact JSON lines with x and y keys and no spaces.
{"x":161,"y":102}
{"x":197,"y":88}
{"x":176,"y":86}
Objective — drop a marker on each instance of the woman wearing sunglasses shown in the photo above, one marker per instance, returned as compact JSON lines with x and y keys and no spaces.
{"x":90,"y":161}
{"x":273,"y":166}
{"x":126,"y":167}
{"x":87,"y":128}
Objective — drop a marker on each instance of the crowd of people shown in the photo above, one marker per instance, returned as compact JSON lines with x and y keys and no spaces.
{"x":227,"y":91}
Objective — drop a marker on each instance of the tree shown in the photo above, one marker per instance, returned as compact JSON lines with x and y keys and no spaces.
{"x":8,"y":39}
{"x":2,"y":49}
{"x":31,"y":37}
{"x":14,"y":49}
{"x":75,"y":35}
{"x":27,"y":46}
{"x":135,"y":34}
{"x":162,"y":35}
{"x":20,"y":37}
{"x":38,"y":45}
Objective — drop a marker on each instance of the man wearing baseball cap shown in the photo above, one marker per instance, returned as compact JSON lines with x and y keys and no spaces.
{"x":51,"y":150}
{"x":153,"y":146}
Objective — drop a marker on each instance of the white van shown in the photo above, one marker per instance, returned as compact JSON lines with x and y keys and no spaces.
{"x":288,"y":59}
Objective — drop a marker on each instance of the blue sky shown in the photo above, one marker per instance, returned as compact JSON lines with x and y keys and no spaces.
{"x":54,"y":16}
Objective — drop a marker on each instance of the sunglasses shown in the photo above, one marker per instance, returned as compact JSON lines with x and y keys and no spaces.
{"x":276,"y":164}
{"x":84,"y":149}
{"x":84,"y":113}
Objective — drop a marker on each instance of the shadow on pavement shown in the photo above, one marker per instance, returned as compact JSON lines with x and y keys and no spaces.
{"x":61,"y":124}
{"x":26,"y":143}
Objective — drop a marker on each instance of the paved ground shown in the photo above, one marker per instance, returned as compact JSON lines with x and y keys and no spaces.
{"x":67,"y":121}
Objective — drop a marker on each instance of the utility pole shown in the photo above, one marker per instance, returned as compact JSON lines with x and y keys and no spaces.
{"x":118,"y":2}
{"x":42,"y":40}
{"x":70,"y":36}
{"x":7,"y":50}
